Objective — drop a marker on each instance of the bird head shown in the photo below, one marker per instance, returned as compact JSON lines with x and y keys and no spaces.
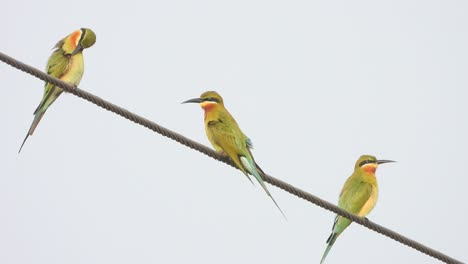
{"x":369,"y":164}
{"x":208,"y":100}
{"x":77,"y":41}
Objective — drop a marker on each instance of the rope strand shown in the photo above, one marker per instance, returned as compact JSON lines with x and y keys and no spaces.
{"x":213,"y":154}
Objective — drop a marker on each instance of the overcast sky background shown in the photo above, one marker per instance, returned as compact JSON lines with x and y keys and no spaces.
{"x":314,"y":84}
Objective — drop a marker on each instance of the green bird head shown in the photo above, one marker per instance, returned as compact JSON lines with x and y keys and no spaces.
{"x":88,"y":39}
{"x":369,"y":164}
{"x":208,"y":100}
{"x":77,"y":41}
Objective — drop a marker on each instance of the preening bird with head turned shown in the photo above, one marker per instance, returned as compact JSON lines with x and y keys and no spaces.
{"x":66,"y":63}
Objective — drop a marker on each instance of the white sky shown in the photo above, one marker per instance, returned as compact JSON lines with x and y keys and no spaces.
{"x":314,"y":84}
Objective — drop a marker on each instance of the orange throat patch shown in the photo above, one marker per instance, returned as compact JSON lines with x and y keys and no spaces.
{"x":370,"y":168}
{"x":208,"y":106}
{"x":75,"y":38}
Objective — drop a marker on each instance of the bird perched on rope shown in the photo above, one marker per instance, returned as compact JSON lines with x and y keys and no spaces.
{"x":226,"y":137}
{"x":65,"y":63}
{"x":358,"y":196}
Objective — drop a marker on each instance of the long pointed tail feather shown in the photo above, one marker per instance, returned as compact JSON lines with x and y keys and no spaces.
{"x":253,"y":184}
{"x":330,"y":241}
{"x":35,"y":122}
{"x":262,"y":183}
{"x":251,"y":166}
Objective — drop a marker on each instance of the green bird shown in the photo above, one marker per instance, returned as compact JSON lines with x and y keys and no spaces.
{"x":358,"y":196}
{"x":226,"y":137}
{"x":65,"y":63}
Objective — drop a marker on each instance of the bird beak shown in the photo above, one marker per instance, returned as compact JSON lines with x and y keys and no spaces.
{"x":78,"y":49}
{"x":384,"y":161}
{"x":194,"y":100}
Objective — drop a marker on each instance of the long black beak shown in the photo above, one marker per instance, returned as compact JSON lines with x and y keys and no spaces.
{"x":384,"y":161}
{"x":194,"y":100}
{"x":78,"y":49}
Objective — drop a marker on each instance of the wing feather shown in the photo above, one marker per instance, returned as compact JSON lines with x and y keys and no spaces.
{"x":56,"y":66}
{"x":354,"y":195}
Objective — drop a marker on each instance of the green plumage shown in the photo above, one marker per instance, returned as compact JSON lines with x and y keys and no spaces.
{"x":226,"y":137}
{"x":358,"y":196}
{"x":65,"y":63}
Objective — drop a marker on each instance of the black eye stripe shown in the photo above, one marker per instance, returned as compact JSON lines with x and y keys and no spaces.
{"x":83,"y":31}
{"x":211,"y":99}
{"x":366,"y":162}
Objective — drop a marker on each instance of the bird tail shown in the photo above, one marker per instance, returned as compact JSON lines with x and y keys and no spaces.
{"x":330,"y":241}
{"x":37,"y":118}
{"x":253,"y":168}
{"x":248,"y":177}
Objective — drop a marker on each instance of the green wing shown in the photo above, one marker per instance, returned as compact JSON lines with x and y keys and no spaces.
{"x":224,"y":133}
{"x":354,"y":195}
{"x":56,"y":67}
{"x":229,"y":138}
{"x":57,"y":64}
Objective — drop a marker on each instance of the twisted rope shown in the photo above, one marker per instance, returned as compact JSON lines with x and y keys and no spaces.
{"x":213,"y":154}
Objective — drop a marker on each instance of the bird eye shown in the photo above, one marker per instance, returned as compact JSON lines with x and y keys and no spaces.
{"x":366,"y":162}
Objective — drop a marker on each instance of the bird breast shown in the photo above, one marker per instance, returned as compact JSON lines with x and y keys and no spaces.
{"x":75,"y":69}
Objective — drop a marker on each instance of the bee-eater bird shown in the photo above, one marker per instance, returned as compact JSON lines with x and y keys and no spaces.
{"x":226,"y":137}
{"x":65,"y":63}
{"x":358,"y":196}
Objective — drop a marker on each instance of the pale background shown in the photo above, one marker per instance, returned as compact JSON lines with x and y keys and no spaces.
{"x":314,"y":84}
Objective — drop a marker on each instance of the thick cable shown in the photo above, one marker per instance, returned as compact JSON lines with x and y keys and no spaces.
{"x":213,"y":154}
